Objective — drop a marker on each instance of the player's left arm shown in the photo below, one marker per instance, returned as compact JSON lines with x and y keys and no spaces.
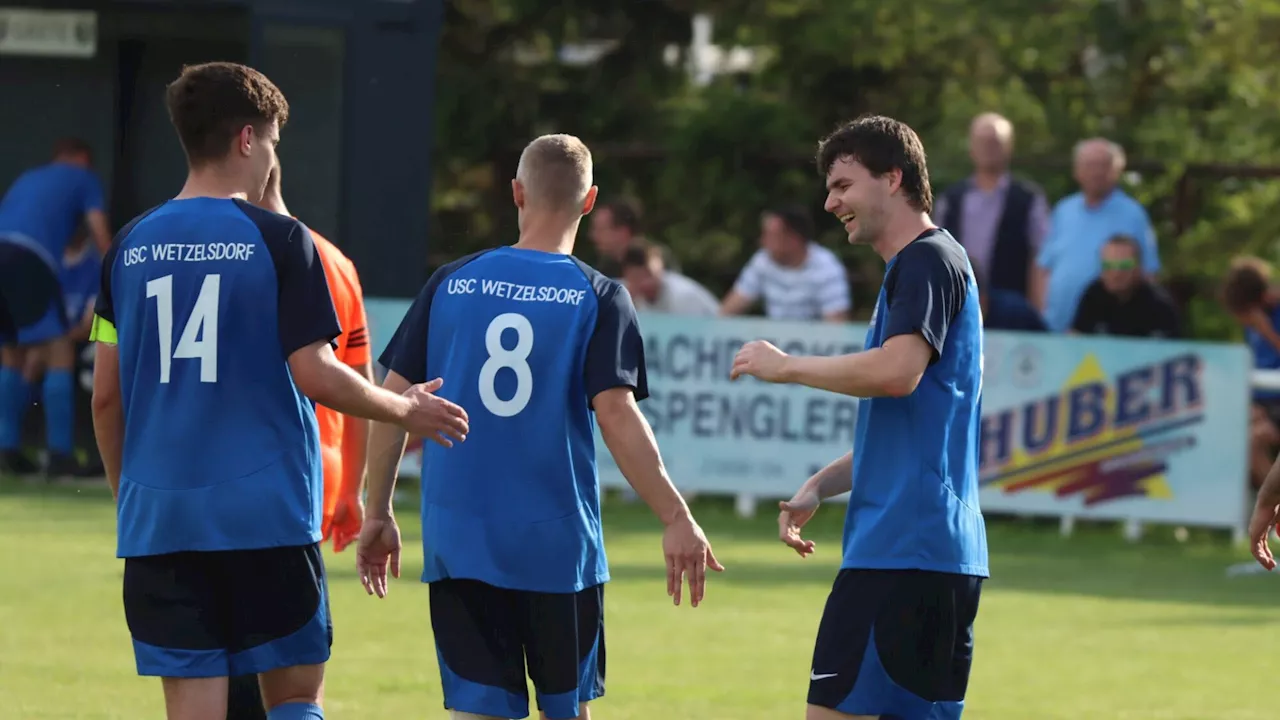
{"x":926,"y":296}
{"x":107,"y":404}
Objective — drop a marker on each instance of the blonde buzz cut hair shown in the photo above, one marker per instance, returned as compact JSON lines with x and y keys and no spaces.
{"x":556,"y":172}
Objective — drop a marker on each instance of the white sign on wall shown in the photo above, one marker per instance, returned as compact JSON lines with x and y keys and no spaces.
{"x":48,"y":33}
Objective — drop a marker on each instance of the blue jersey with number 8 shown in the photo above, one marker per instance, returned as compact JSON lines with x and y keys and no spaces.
{"x":523,"y":341}
{"x":205,"y":299}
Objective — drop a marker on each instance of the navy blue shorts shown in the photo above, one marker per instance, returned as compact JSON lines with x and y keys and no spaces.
{"x":233,"y":612}
{"x":484,"y":636}
{"x":896,"y":643}
{"x":32,"y":310}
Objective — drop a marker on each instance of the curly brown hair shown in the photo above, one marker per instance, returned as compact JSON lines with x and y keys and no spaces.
{"x":881,"y":144}
{"x":210,"y":103}
{"x":1246,"y":284}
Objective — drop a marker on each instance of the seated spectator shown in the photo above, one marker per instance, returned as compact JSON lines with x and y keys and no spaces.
{"x":655,"y":288}
{"x":1123,"y":300}
{"x":614,"y":226}
{"x":1004,"y":309}
{"x":1080,"y":226}
{"x":1249,"y":296}
{"x":797,"y":278}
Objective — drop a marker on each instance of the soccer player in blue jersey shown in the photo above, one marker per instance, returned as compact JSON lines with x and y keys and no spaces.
{"x":214,"y":327}
{"x":532,"y":341}
{"x":39,"y":215}
{"x":896,"y":638}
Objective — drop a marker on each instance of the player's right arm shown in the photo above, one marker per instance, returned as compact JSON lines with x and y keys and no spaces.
{"x":308,"y":324}
{"x":615,"y":381}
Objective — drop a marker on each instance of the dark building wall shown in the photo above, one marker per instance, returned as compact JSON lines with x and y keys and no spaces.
{"x":359,"y":76}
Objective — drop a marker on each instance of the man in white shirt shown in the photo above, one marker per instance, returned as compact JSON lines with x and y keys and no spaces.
{"x":654,"y":288}
{"x":798,"y":279}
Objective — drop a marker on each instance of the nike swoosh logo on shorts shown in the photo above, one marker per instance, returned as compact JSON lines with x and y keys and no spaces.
{"x":815,"y":676}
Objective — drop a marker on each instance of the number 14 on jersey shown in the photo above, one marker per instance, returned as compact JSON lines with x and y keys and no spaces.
{"x":199,"y":339}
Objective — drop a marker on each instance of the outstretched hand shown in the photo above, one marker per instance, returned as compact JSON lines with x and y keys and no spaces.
{"x":378,"y":549}
{"x":688,"y":555}
{"x":1264,"y":518}
{"x":760,"y":359}
{"x":793,"y":515}
{"x":433,"y":417}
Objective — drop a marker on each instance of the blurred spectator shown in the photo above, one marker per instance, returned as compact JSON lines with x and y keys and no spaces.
{"x":1000,"y":221}
{"x":797,"y":278}
{"x":39,"y":216}
{"x":655,"y":288}
{"x":1005,"y":309}
{"x":1249,"y":296}
{"x":1081,"y":224}
{"x":80,"y":277}
{"x":1124,"y":301}
{"x":614,"y":227}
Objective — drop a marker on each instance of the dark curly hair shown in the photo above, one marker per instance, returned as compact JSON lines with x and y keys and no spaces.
{"x":881,"y":144}
{"x":209,"y":104}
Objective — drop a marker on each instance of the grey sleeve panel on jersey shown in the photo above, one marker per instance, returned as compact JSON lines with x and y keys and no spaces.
{"x":928,"y":289}
{"x":406,"y":351}
{"x":615,"y":352}
{"x":305,"y":312}
{"x":104,"y":307}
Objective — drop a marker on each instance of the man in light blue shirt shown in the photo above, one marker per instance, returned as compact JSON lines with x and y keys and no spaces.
{"x":1080,"y":226}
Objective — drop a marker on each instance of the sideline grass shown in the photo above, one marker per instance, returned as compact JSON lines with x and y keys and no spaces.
{"x":1083,"y":627}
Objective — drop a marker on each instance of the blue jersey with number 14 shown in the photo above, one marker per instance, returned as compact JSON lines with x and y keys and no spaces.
{"x":523,"y":341}
{"x":205,"y":300}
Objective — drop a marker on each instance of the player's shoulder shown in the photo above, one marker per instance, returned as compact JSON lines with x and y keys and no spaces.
{"x":935,"y":248}
{"x":276,"y":229}
{"x":605,"y":288}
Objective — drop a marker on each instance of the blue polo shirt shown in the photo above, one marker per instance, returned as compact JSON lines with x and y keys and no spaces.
{"x":1072,"y":251}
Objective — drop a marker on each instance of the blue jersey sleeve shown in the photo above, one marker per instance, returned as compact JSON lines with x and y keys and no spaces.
{"x":303,"y":303}
{"x":615,"y":352}
{"x":928,"y":287}
{"x":406,"y":351}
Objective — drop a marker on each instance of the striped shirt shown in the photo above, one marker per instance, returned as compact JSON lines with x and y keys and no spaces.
{"x":817,"y":287}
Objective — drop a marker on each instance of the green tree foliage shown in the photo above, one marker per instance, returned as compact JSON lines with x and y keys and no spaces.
{"x":1185,"y":87}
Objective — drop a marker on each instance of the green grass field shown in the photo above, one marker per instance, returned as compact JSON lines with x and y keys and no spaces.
{"x":1086,"y":627}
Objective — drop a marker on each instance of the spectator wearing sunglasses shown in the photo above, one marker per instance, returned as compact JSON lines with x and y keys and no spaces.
{"x":1123,"y":300}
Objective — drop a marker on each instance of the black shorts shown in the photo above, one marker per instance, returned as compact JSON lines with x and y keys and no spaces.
{"x":896,"y":643}
{"x":234,"y":612}
{"x":32,"y":310}
{"x":485,"y":634}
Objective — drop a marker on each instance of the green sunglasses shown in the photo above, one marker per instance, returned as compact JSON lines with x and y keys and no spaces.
{"x":1127,"y":264}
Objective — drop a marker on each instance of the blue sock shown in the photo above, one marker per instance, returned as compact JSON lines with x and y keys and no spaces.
{"x":296,"y":711}
{"x":59,"y":410}
{"x":14,"y":398}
